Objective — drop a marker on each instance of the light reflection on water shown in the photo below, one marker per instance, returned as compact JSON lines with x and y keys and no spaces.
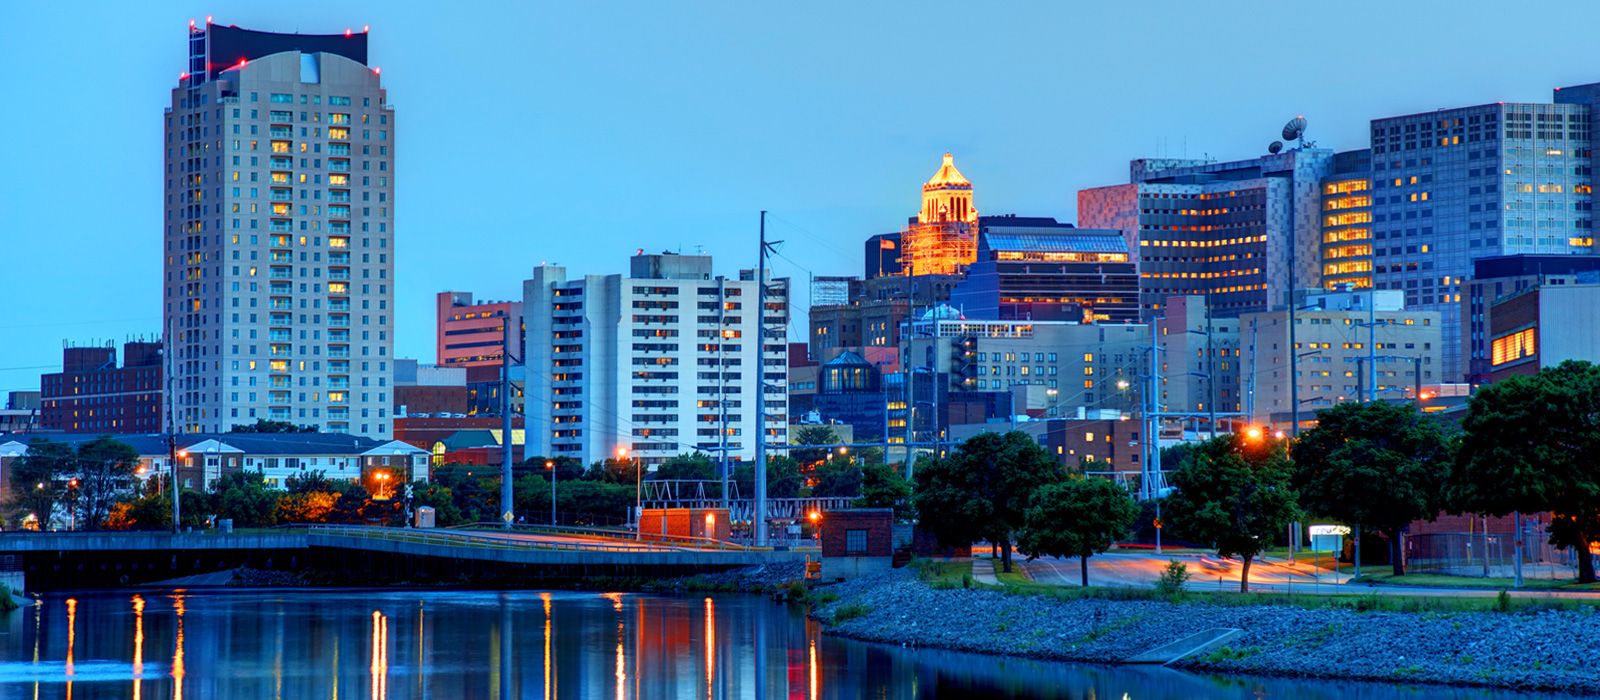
{"x":395,"y":645}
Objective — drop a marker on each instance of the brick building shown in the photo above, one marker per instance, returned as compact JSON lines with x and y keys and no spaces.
{"x":91,"y":394}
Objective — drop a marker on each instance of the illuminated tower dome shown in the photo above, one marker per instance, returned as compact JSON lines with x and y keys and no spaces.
{"x":944,"y":238}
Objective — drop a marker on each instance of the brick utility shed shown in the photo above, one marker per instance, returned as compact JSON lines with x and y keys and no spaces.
{"x":856,"y":541}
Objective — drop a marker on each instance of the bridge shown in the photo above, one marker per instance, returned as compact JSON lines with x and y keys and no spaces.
{"x":701,"y":493}
{"x":378,"y":555}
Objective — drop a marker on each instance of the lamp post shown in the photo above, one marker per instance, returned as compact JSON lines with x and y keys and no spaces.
{"x":638,"y":494}
{"x":551,"y":465}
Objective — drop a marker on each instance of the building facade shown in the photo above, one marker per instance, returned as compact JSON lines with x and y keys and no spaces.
{"x":1347,"y":222}
{"x":472,"y":334}
{"x":1497,"y":277}
{"x":1036,"y":268}
{"x":1350,"y":345}
{"x":653,"y":366}
{"x":1224,"y":230}
{"x":942,"y":239}
{"x":1200,"y":361}
{"x":1543,"y":326}
{"x":91,"y":394}
{"x":278,"y":242}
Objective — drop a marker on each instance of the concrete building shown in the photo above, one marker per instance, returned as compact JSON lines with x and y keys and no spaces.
{"x":831,"y":290}
{"x":1500,"y":276}
{"x":1106,"y":445}
{"x":91,"y":394}
{"x":278,"y":234}
{"x":1339,"y":335}
{"x":1544,"y":326}
{"x":1200,"y":362}
{"x":426,"y":391}
{"x":655,"y":365}
{"x":21,"y":413}
{"x":472,"y":333}
{"x":1219,"y":229}
{"x":1450,"y":186}
{"x":876,"y":313}
{"x":1036,"y":268}
{"x":1347,"y":222}
{"x":996,"y":369}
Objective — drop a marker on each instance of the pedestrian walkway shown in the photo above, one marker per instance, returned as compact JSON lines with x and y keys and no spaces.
{"x":983,"y":571}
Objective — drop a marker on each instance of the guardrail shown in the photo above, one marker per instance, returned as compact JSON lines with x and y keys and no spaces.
{"x":457,"y":538}
{"x":610,"y":534}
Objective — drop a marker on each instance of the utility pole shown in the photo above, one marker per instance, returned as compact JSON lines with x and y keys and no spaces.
{"x":1211,"y":372}
{"x":759,"y":515}
{"x":172,"y":437}
{"x":722,"y":398}
{"x":1152,"y":442}
{"x":506,"y":515}
{"x":1372,"y":344}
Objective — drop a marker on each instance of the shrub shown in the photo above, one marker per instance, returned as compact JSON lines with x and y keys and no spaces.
{"x":850,"y":612}
{"x":1173,"y":579}
{"x":1502,"y":602}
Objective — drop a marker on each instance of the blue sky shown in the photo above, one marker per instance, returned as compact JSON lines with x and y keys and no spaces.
{"x":578,"y":132}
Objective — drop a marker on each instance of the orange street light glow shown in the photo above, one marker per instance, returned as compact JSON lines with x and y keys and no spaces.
{"x":1253,"y":432}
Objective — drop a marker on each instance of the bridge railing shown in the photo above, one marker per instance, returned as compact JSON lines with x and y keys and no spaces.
{"x":607,"y":534}
{"x":456,"y":538}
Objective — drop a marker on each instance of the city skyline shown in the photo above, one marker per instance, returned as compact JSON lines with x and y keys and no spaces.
{"x":1025,"y":147}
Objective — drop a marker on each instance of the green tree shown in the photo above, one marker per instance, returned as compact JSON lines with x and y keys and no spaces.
{"x":263,"y":425}
{"x":883,"y":486}
{"x":1379,"y":465}
{"x":690,"y":466}
{"x":245,"y":498}
{"x":1235,"y":493}
{"x":313,"y":481}
{"x":812,"y":457}
{"x":613,"y":470}
{"x":37,"y":481}
{"x":594,"y":502}
{"x":981,"y":490}
{"x":105,"y":472}
{"x":1529,"y":445}
{"x":836,"y":477}
{"x":1079,"y":517}
{"x":783,"y":478}
{"x":440,"y":499}
{"x":306,"y":507}
{"x":351,"y":506}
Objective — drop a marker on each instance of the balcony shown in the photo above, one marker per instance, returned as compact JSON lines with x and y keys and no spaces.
{"x":338,"y":258}
{"x":342,"y":367}
{"x":339,"y":336}
{"x":338,"y":227}
{"x":339,"y":305}
{"x":339,"y":212}
{"x":339,"y":274}
{"x":279,"y":256}
{"x":282,"y":132}
{"x":278,"y":350}
{"x":280,"y":336}
{"x":339,"y":383}
{"x":278,"y":397}
{"x":281,"y":319}
{"x":282,"y":163}
{"x":339,"y":319}
{"x":338,"y":149}
{"x":338,"y":352}
{"x":278,"y":414}
{"x":339,"y":196}
{"x":339,"y":166}
{"x":281,"y":289}
{"x":280,"y":227}
{"x":280,"y":305}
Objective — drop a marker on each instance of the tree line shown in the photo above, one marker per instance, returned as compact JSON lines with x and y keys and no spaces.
{"x":1527,"y":445}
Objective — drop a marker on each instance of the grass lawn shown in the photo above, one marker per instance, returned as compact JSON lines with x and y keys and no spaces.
{"x":958,"y":574}
{"x":1387,"y":578}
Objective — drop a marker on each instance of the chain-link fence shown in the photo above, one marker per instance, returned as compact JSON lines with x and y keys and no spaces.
{"x":1490,"y":554}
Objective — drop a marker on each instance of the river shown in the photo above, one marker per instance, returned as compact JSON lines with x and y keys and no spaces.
{"x":449,"y":645}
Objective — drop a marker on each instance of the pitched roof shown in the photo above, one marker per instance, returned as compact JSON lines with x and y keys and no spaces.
{"x":947,"y":175}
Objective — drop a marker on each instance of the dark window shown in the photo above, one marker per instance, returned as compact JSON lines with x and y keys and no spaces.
{"x":855,"y":541}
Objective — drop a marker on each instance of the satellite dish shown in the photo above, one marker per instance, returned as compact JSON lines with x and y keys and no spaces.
{"x":1295,"y":129}
{"x":1274,"y":147}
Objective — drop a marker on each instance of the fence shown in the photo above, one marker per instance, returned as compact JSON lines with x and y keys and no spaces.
{"x":1490,"y":555}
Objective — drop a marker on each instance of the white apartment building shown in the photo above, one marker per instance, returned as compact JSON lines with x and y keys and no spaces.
{"x":278,"y":244}
{"x":650,"y":365}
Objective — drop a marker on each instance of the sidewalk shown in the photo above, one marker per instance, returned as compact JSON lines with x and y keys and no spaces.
{"x":983,"y":571}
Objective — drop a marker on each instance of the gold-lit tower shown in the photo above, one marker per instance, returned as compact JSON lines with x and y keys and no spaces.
{"x":944,"y":239}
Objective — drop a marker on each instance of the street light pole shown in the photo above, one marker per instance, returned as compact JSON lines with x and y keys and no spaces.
{"x":551,"y":465}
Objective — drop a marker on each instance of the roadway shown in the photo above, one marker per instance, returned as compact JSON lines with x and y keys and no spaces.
{"x":1208,"y":572}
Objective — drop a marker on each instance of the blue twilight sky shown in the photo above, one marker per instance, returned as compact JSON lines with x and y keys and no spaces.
{"x":576,"y":132}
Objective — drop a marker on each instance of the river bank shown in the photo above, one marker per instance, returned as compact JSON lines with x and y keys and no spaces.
{"x":1527,"y":650}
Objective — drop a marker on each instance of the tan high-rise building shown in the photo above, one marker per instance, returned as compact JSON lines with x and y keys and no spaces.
{"x":278,"y":236}
{"x":943,"y":240}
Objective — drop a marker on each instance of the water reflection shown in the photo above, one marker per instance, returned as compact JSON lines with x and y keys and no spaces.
{"x":317,"y":644}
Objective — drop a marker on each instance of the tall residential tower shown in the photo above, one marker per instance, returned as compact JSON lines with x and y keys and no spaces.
{"x":278,"y":237}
